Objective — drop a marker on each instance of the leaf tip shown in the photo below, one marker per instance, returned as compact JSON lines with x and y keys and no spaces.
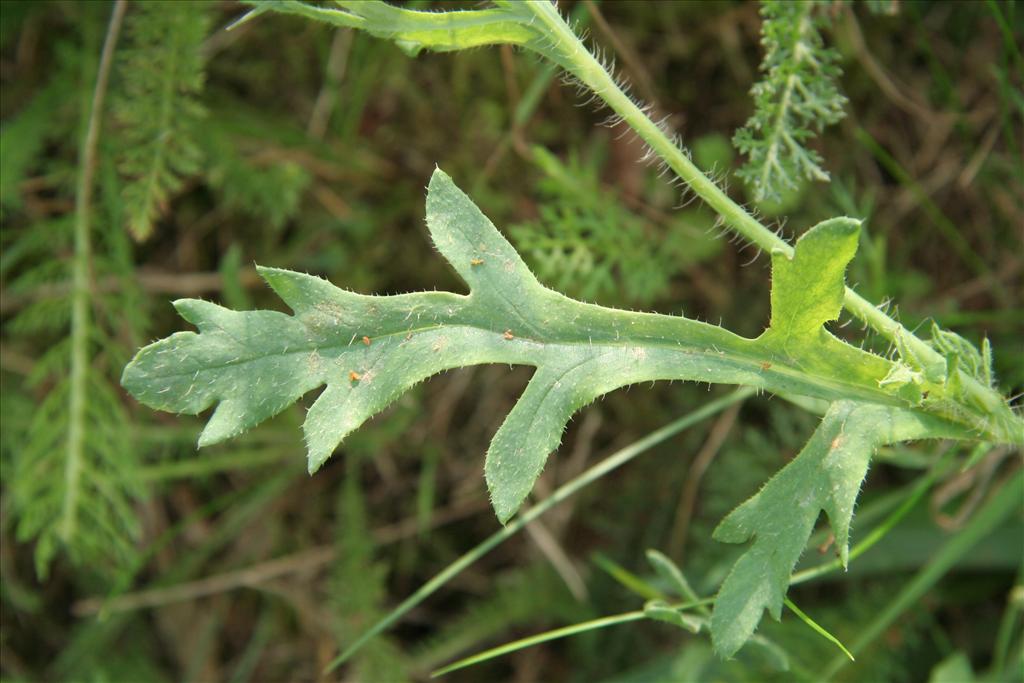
{"x":272,"y":276}
{"x":245,"y":18}
{"x":195,"y":311}
{"x":437,"y":178}
{"x":210,"y":437}
{"x":504,"y":511}
{"x":315,"y":458}
{"x":838,"y":227}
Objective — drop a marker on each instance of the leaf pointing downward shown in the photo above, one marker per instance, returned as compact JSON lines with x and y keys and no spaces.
{"x":826,"y":475}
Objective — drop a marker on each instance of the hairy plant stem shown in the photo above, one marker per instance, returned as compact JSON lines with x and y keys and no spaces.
{"x":582,"y":64}
{"x":80,"y":294}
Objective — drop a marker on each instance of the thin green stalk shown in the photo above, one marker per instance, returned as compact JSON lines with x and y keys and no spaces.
{"x":626,"y":578}
{"x":613,"y":462}
{"x":817,"y":628}
{"x":557,"y":633}
{"x":591,"y":73}
{"x":1005,"y":502}
{"x":1007,"y":625}
{"x":81,"y":294}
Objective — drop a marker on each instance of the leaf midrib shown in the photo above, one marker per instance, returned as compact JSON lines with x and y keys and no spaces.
{"x":830,"y":386}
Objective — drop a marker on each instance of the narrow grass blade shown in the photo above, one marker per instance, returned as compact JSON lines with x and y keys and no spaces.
{"x":626,"y":578}
{"x":818,"y":628}
{"x":568,"y":489}
{"x":540,"y":638}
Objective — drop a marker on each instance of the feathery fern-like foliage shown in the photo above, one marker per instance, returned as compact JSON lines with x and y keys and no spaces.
{"x":586,"y":243}
{"x":22,"y":139}
{"x":49,"y":115}
{"x":796,"y":98}
{"x":71,"y":474}
{"x":268,"y":190}
{"x":162,"y":68}
{"x":91,"y":518}
{"x":89,"y":515}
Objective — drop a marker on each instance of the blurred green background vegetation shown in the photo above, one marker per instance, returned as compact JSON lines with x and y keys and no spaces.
{"x":289,"y":144}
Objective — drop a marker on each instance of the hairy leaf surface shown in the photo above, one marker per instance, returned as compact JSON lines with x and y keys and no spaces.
{"x":367,"y":350}
{"x":825,"y":476}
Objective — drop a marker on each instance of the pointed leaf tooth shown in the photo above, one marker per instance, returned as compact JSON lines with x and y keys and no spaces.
{"x":226,"y":422}
{"x":846,"y":466}
{"x":531,"y":432}
{"x":807,"y":289}
{"x":735,"y":527}
{"x":305,"y":294}
{"x":326,"y":425}
{"x":986,"y":363}
{"x":203,"y":314}
{"x":472,"y":245}
{"x":826,"y":475}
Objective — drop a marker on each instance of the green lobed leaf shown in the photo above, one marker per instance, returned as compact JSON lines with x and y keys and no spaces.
{"x":367,"y":350}
{"x":825,"y":476}
{"x":796,"y":99}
